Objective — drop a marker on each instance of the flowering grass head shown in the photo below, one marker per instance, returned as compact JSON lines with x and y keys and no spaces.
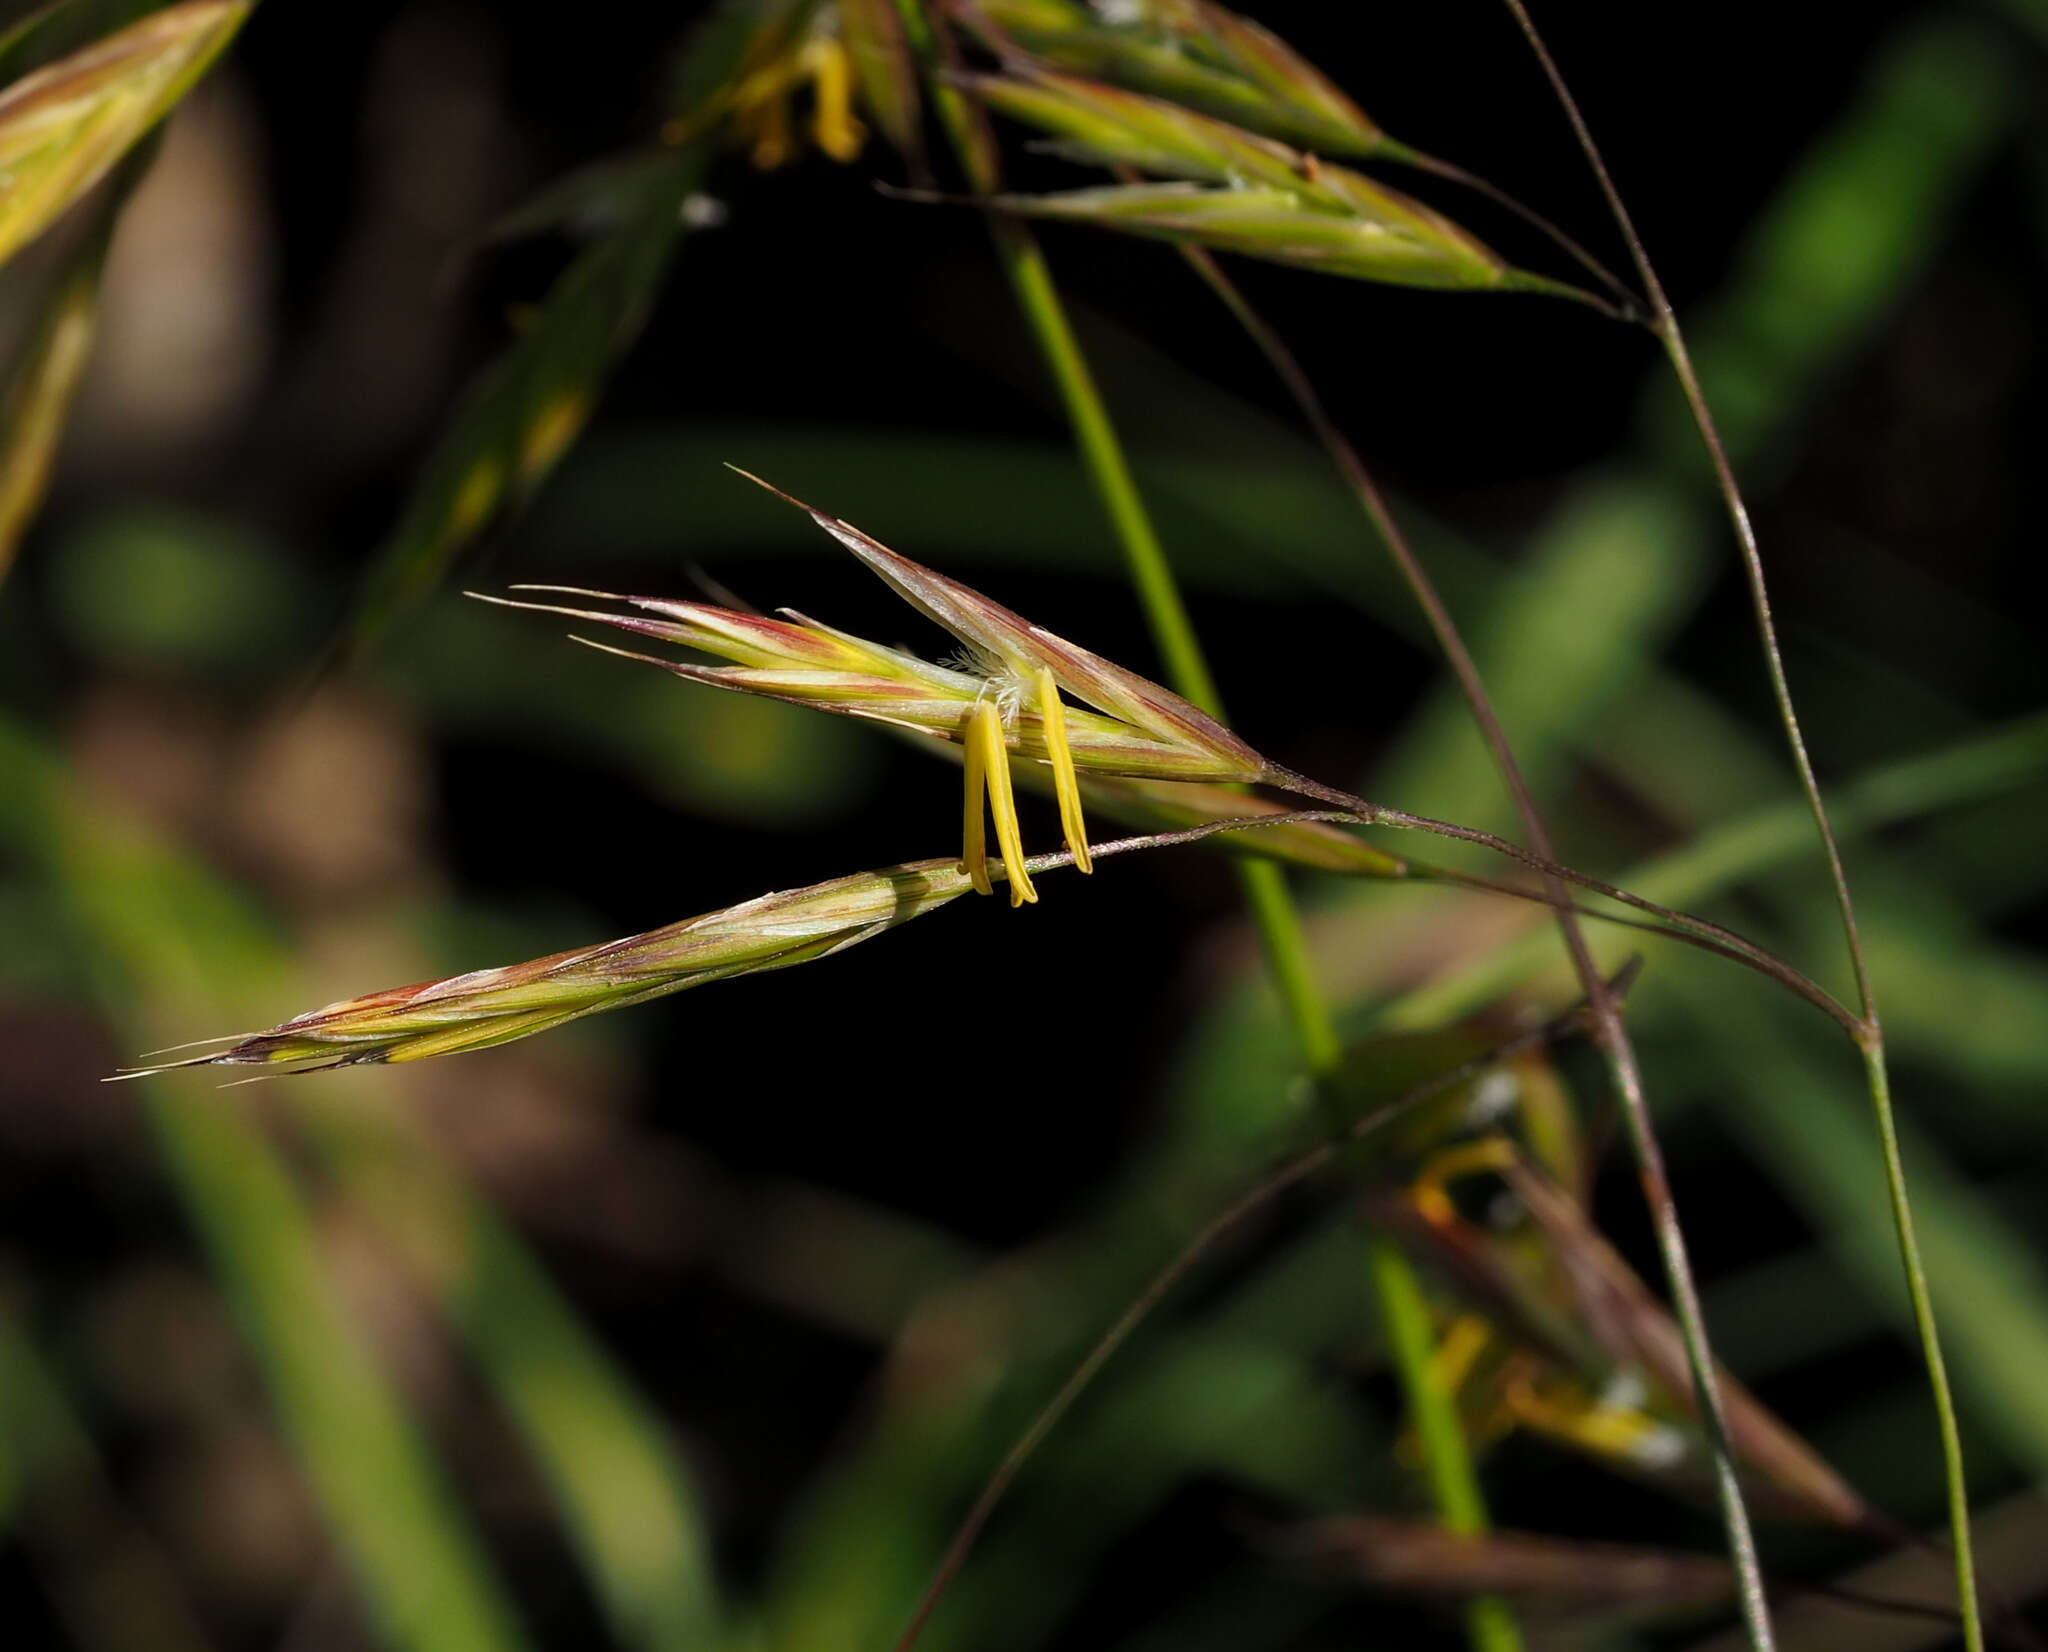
{"x":1005,"y":698}
{"x":840,"y":58}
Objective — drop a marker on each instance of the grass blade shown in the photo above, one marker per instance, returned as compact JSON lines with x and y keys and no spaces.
{"x":39,"y":392}
{"x":63,"y":126}
{"x":606,"y":1457}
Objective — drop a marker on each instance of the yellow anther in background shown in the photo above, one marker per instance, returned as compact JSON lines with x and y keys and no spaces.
{"x":832,"y":121}
{"x":1605,"y":1430}
{"x":1064,"y":784}
{"x":761,"y":103}
{"x":1459,"y":1351}
{"x":1472,"y":1159}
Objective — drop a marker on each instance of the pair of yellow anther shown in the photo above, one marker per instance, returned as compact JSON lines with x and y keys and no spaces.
{"x":988,"y":776}
{"x":761,"y":103}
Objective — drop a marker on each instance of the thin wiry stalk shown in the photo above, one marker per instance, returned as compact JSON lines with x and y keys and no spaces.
{"x":1358,"y":811}
{"x":1610,"y":1034}
{"x":1264,"y":884}
{"x":1255,"y":1198}
{"x":1870,"y":1036}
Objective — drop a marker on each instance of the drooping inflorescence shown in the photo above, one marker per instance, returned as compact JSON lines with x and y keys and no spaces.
{"x":1001,"y":701}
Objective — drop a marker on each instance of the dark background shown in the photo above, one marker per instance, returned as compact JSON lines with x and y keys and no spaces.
{"x":986,"y":1077}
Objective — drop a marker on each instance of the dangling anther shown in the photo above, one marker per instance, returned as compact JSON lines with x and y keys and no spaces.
{"x":1066,"y":787}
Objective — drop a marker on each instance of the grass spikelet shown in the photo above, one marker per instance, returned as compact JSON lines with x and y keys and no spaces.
{"x":495,"y":1006}
{"x":65,"y":125}
{"x":1194,"y":53}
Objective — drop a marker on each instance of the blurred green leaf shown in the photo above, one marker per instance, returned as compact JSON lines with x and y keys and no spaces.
{"x":64,"y":125}
{"x":426,"y":1574}
{"x":532,"y":403}
{"x":144,"y":915}
{"x":1568,"y":634}
{"x":605,"y":1455}
{"x":147,"y":914}
{"x":1800,"y":1116}
{"x":155,"y":588}
{"x":37,"y":1428}
{"x":113,"y":1587}
{"x":1728,"y":855}
{"x":863,"y":1541}
{"x":1861,"y":215}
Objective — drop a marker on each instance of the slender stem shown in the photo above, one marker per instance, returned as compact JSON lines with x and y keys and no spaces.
{"x":1668,"y":921}
{"x":1664,"y":320}
{"x":1930,"y":1342}
{"x":1762,"y":959}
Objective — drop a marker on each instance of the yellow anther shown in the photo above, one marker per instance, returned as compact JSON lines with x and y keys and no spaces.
{"x":1064,"y":784}
{"x":549,"y":432}
{"x":476,"y":497}
{"x":1459,"y":1351}
{"x":832,"y":120}
{"x":1002,"y":804}
{"x":1605,"y":1430}
{"x":1472,"y":1159}
{"x":760,"y":109}
{"x":761,"y":103}
{"x":773,"y":143}
{"x":974,"y":851}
